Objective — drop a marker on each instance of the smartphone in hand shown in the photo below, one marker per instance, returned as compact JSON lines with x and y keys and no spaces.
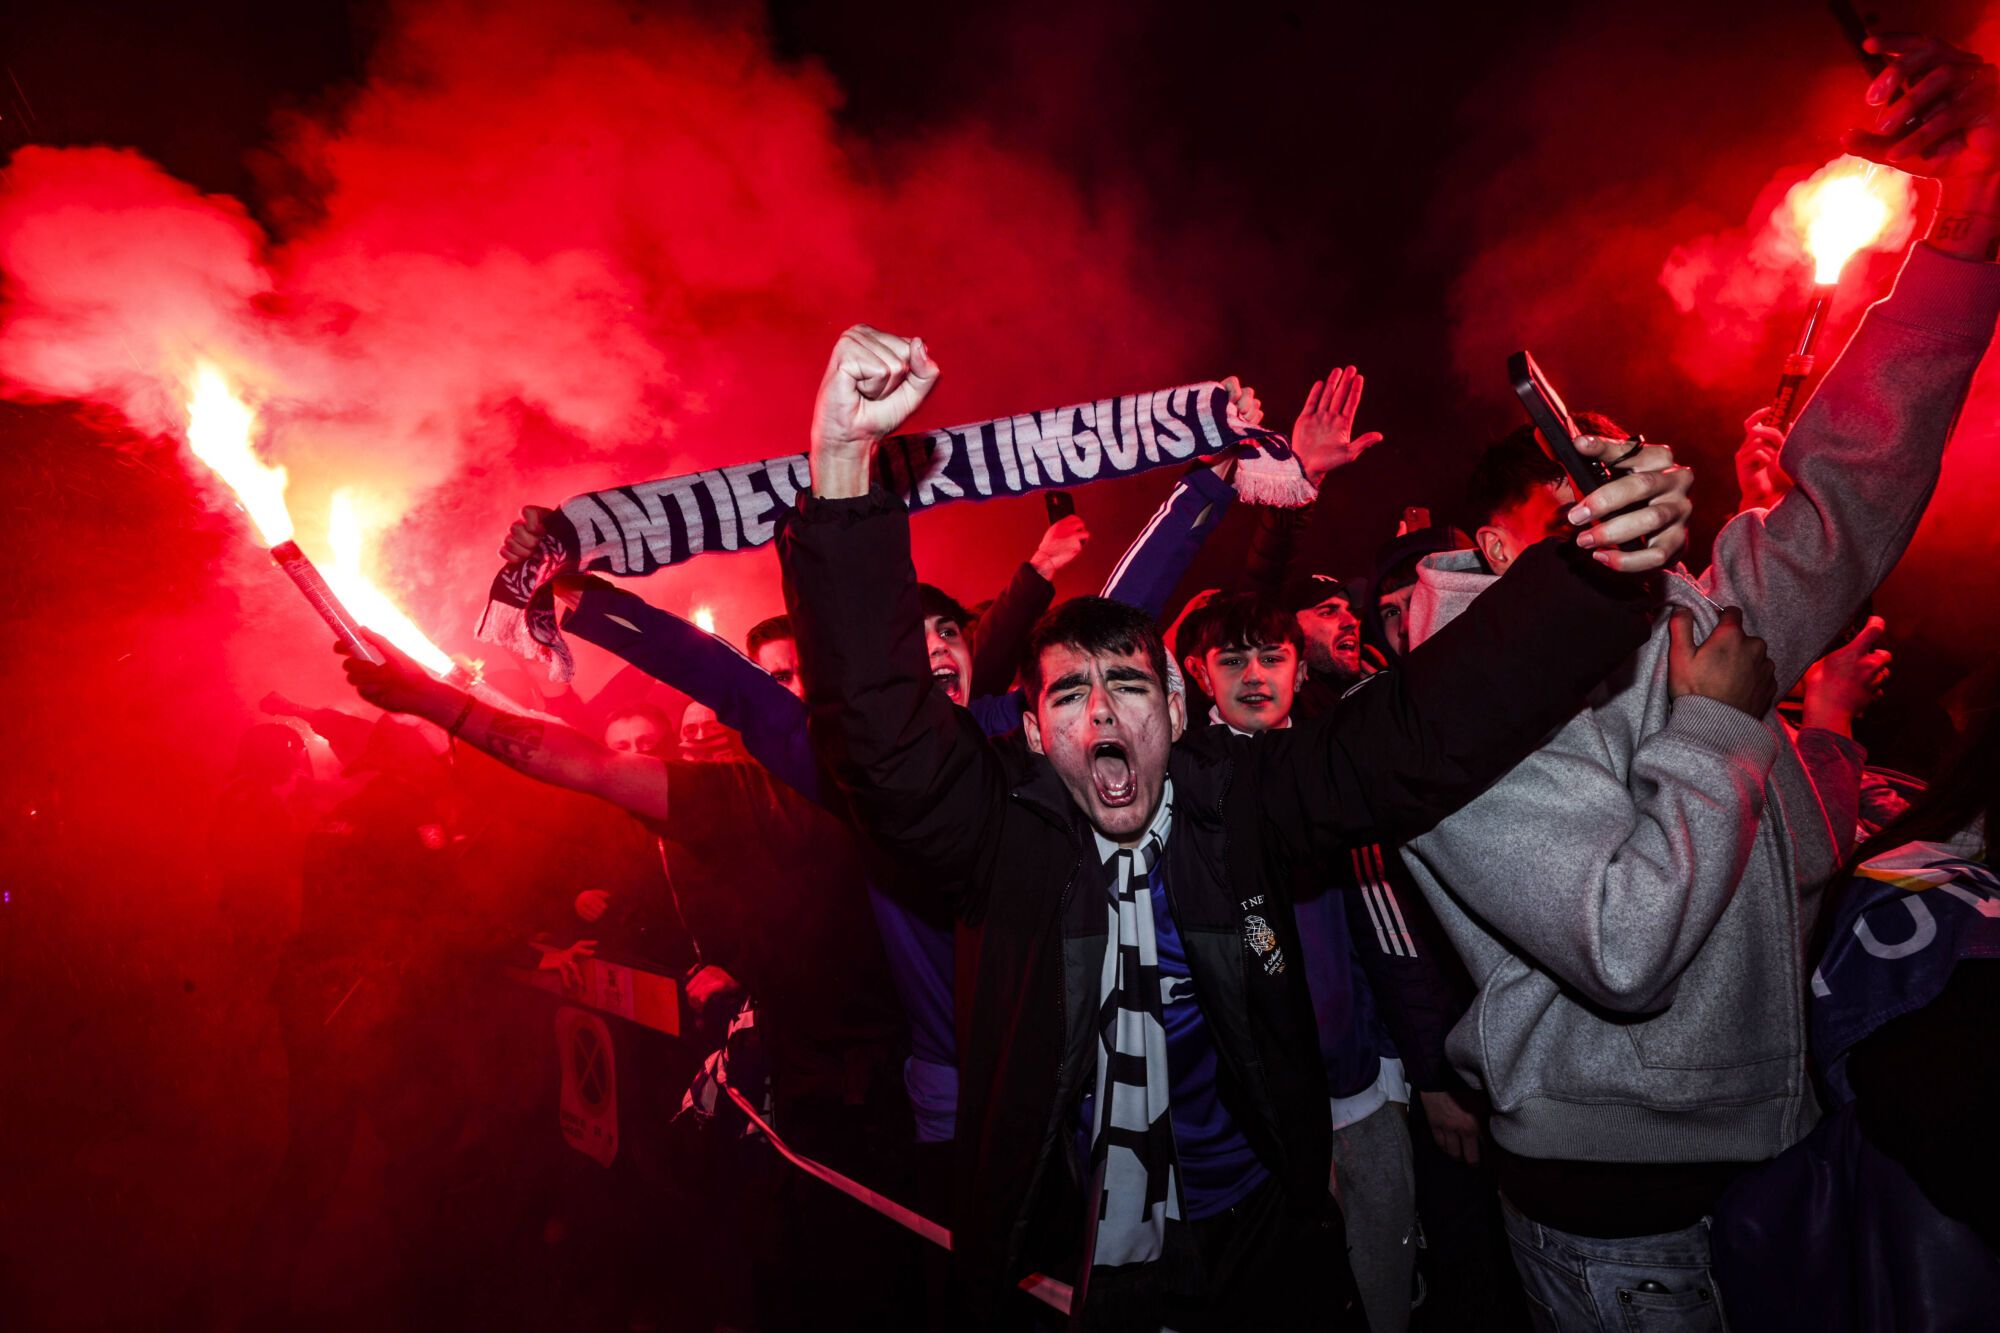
{"x":1552,"y":420}
{"x":1061,"y":505}
{"x":1557,"y":428}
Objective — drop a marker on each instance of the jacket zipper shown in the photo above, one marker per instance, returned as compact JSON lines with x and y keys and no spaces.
{"x":1065,"y":1133}
{"x":1249,"y":961}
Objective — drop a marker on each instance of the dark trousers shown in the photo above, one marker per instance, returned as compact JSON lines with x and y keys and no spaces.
{"x":1258,"y":1265}
{"x":1470,"y":1285}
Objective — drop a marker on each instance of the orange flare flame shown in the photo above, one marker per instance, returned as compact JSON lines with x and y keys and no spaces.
{"x":704,"y":619}
{"x":368,"y":603}
{"x":218,"y":431}
{"x":1846,"y":206}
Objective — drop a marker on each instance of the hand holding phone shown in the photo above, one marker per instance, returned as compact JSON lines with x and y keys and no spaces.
{"x":1061,"y":505}
{"x":1558,"y":430}
{"x":1552,"y":420}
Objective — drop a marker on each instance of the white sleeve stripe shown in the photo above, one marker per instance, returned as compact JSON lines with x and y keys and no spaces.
{"x":1159,"y":516}
{"x":1381,"y":938}
{"x":1389,"y":897}
{"x":1397,"y":946}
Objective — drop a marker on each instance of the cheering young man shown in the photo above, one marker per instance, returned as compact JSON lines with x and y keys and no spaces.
{"x":1151,"y":1117}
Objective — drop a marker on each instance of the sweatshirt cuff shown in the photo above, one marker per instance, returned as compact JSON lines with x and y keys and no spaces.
{"x":816,"y":509}
{"x":1724,"y":729}
{"x":1846,"y":747}
{"x":1945,"y":295}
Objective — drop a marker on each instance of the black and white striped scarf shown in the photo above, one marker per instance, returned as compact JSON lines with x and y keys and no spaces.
{"x":633,"y":530}
{"x":1132,"y":1139}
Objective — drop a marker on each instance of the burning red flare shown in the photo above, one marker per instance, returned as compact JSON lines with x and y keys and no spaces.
{"x":1844,"y":208}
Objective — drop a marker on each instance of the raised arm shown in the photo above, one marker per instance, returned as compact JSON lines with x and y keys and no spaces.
{"x":543,"y":748}
{"x":1154,"y":564}
{"x":1865,"y":453}
{"x":915,"y":769}
{"x":1323,"y":438}
{"x":1406,"y":748}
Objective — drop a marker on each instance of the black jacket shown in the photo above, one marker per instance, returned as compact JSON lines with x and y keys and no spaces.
{"x":993,"y":824}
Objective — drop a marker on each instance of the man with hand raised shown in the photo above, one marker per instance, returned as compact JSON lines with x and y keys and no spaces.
{"x":1142,"y":1105}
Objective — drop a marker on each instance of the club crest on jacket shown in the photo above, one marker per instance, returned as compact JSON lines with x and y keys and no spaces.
{"x":1263,"y":942}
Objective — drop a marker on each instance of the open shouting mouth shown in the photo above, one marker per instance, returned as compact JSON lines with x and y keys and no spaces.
{"x":948,"y":681}
{"x":1111,"y":772}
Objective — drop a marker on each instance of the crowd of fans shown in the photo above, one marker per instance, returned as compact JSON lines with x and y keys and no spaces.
{"x":1516,"y":936}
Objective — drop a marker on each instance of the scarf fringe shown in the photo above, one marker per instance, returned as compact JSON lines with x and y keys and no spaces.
{"x":514,"y":629}
{"x":1277,"y":482}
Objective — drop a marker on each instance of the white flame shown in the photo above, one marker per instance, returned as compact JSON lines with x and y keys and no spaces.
{"x":219,"y":428}
{"x":1844,"y":208}
{"x":704,"y":619}
{"x":368,"y":603}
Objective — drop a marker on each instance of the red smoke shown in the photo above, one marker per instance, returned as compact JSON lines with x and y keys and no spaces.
{"x":1617,"y":218}
{"x":539,"y":253}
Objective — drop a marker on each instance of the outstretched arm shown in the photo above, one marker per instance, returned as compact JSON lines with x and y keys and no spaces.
{"x":1406,"y":748}
{"x":745,"y":698}
{"x":1153,"y":566}
{"x":542,"y":748}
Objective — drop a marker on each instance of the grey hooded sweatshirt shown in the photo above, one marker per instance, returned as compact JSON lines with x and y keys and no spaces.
{"x":1634,"y":898}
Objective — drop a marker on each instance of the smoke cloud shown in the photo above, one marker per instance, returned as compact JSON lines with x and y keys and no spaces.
{"x":533,"y":254}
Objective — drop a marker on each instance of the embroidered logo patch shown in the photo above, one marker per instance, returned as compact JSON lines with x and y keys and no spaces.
{"x":1263,"y":942}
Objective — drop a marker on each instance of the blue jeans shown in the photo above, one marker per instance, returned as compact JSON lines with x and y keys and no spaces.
{"x":1636,"y":1284}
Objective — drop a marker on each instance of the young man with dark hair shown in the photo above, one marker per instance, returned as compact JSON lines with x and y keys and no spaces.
{"x":1634,"y":899}
{"x":770,"y":645}
{"x":1517,"y":494}
{"x":772,"y":721}
{"x":947,"y":645}
{"x":1247,"y":656}
{"x":1174,"y":1164}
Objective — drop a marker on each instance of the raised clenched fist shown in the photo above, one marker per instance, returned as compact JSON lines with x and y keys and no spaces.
{"x":525,"y":537}
{"x":873,"y":382}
